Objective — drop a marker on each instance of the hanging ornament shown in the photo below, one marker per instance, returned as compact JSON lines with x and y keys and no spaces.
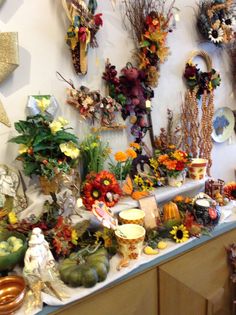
{"x":9,"y":61}
{"x":9,"y":54}
{"x":197,"y":121}
{"x":216,"y":21}
{"x":82,"y":30}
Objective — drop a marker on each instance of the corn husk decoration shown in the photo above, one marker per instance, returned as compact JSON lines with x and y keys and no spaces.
{"x":198,"y":108}
{"x":9,"y":61}
{"x":82,"y":30}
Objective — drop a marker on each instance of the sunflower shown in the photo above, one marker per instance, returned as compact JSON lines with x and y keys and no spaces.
{"x":179,"y":233}
{"x":230,"y":190}
{"x":216,"y":35}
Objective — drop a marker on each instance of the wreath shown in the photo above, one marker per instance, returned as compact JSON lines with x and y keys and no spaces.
{"x":215,"y":21}
{"x":200,"y":80}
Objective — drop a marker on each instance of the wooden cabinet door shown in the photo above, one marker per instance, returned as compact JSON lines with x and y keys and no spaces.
{"x":136,"y":296}
{"x":198,"y":281}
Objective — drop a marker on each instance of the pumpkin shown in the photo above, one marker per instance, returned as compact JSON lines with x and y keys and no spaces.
{"x":170,"y":212}
{"x":85,"y":270}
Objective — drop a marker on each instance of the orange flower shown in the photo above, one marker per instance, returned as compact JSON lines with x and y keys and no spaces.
{"x":134,"y":145}
{"x":170,"y":165}
{"x":163,"y":158}
{"x":121,"y":156}
{"x":131,"y":153}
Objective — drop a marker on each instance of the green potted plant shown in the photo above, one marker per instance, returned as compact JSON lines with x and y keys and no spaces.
{"x":46,"y":149}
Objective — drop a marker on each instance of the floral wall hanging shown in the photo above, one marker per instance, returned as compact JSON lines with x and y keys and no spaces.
{"x":9,"y":61}
{"x":150,"y":25}
{"x":130,"y":90}
{"x":94,"y":107}
{"x":82,"y":30}
{"x":150,"y":34}
{"x":215,"y":21}
{"x":197,"y":121}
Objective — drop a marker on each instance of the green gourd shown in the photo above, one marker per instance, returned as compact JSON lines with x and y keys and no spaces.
{"x":85,"y":270}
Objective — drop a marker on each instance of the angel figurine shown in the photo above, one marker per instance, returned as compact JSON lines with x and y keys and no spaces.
{"x":39,"y":261}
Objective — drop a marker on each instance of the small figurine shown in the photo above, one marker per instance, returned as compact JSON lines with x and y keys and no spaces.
{"x":39,"y":260}
{"x":104,"y":215}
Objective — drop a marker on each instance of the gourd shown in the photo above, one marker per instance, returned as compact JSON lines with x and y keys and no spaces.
{"x":170,"y":212}
{"x":85,"y":270}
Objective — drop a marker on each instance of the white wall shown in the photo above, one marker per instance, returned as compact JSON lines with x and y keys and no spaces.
{"x":42,"y":25}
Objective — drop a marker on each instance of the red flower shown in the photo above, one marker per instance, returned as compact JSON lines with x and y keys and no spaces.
{"x":98,"y":20}
{"x":180,"y":166}
{"x":103,"y":187}
{"x":82,"y":34}
{"x":149,"y":20}
{"x":190,"y":71}
{"x":106,"y":179}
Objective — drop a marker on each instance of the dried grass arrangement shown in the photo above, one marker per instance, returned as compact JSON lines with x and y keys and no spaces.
{"x":169,"y":136}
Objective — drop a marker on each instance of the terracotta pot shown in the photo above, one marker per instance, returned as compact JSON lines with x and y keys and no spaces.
{"x":197,"y":169}
{"x":49,"y":185}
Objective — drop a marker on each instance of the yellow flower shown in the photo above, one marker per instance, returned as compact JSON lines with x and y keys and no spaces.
{"x":62,"y":121}
{"x":70,"y":149}
{"x":134,"y":145}
{"x":131,"y":153}
{"x":22,"y":148}
{"x":180,"y":233}
{"x":74,"y":237}
{"x":154,"y":163}
{"x":12,"y":217}
{"x":55,"y":126}
{"x":94,"y":145}
{"x":121,"y":156}
{"x":43,"y":104}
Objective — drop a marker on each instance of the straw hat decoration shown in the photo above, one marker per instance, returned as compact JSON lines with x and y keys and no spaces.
{"x":9,"y":61}
{"x":82,"y":30}
{"x":198,"y":107}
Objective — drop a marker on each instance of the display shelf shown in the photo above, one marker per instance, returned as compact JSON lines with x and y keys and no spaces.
{"x":162,"y":194}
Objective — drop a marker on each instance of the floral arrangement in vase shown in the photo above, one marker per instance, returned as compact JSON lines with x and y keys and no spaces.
{"x":174,"y":164}
{"x":46,"y":148}
{"x":101,"y":186}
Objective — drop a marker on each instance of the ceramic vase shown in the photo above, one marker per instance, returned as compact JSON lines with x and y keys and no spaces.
{"x":176,"y":181}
